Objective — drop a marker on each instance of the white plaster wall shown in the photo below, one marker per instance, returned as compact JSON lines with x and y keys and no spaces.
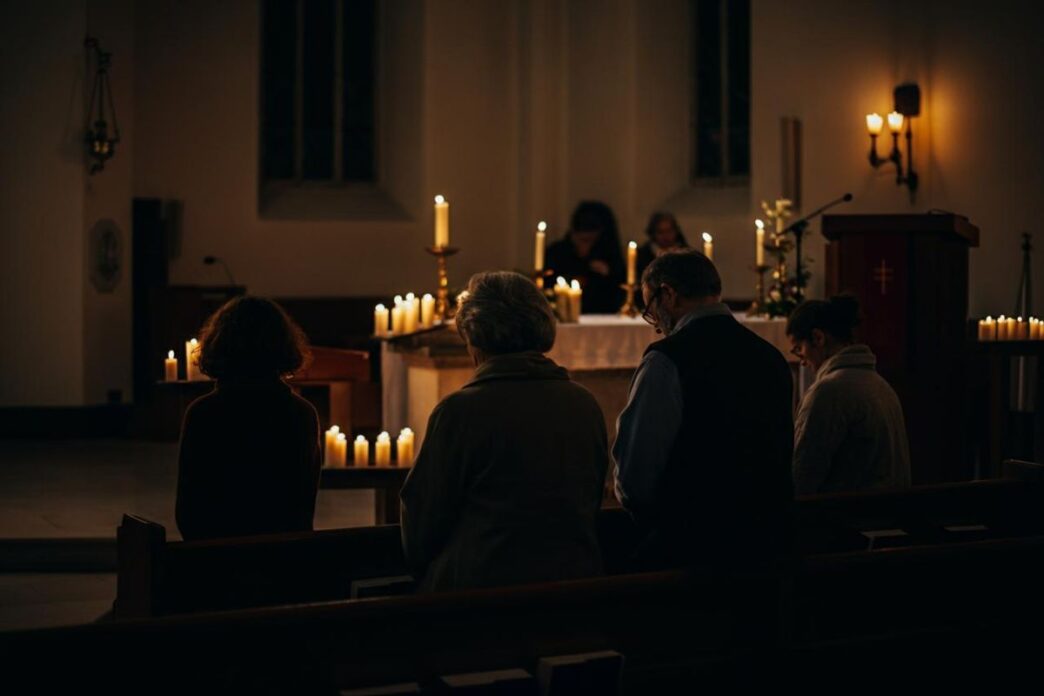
{"x":41,"y":204}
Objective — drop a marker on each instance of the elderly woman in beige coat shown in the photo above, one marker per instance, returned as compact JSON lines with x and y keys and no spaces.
{"x":849,"y":433}
{"x":508,"y":482}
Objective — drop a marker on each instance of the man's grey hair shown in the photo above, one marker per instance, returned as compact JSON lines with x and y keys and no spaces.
{"x":689,"y":272}
{"x":504,"y":312}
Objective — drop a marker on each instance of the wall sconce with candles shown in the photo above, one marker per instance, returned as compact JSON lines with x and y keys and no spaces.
{"x":907,"y":105}
{"x":101,"y":145}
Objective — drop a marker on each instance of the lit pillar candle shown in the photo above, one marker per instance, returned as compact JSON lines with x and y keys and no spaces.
{"x":632,"y":262}
{"x":987,"y":329}
{"x":410,"y":310}
{"x":1021,"y":330}
{"x":382,"y":453}
{"x":340,"y":451}
{"x":759,"y":243}
{"x":170,"y":367}
{"x":441,"y":222}
{"x":1010,"y":332}
{"x":708,"y":245}
{"x":404,"y":447}
{"x":1002,"y":328}
{"x":192,"y":360}
{"x":427,"y":311}
{"x":362,"y":452}
{"x":575,"y":295}
{"x":330,"y":445}
{"x":398,"y":316}
{"x":562,"y":298}
{"x":380,"y":320}
{"x":538,"y":251}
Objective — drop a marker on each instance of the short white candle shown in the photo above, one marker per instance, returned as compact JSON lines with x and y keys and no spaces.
{"x":380,"y":320}
{"x":330,"y":444}
{"x":427,"y":311}
{"x":192,"y":360}
{"x":575,"y":293}
{"x":362,"y":451}
{"x":170,"y":367}
{"x":383,"y":450}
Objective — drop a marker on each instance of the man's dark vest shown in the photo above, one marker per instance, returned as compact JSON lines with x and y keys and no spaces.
{"x":727,"y":490}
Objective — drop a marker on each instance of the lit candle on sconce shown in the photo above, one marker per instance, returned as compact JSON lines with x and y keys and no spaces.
{"x":874,"y":123}
{"x":895,"y":121}
{"x":708,"y":245}
{"x":170,"y":367}
{"x":759,"y":243}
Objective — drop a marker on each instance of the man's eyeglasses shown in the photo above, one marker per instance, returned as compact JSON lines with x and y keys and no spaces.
{"x":647,"y":313}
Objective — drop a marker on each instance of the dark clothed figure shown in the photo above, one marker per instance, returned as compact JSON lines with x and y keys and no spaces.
{"x":590,"y":253}
{"x":249,"y":459}
{"x":508,"y":482}
{"x":249,"y":462}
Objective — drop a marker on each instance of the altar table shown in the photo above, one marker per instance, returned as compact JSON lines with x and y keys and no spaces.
{"x":600,"y":352}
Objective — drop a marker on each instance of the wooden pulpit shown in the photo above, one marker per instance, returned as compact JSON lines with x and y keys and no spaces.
{"x":910,"y":275}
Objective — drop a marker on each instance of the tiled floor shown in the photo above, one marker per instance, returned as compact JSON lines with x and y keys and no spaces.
{"x":80,"y":489}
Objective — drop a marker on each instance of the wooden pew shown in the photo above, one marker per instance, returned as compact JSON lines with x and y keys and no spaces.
{"x":669,"y":626}
{"x":156,"y":578}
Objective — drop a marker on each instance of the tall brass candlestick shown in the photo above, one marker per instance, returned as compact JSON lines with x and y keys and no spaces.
{"x":442,"y":306}
{"x":629,"y":307}
{"x":757,"y":307}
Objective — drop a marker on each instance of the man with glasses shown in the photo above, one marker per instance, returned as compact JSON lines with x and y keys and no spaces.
{"x":703,"y":448}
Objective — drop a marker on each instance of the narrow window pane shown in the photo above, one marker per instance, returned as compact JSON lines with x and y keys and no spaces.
{"x":360,"y":30}
{"x":707,"y":54}
{"x":318,"y":57}
{"x":739,"y":86}
{"x":277,"y":80}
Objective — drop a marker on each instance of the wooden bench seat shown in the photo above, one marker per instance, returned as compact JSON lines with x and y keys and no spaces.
{"x":669,"y":626}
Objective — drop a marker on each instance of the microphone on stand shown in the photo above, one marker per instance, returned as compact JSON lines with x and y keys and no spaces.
{"x":797,"y":228}
{"x":211,"y":260}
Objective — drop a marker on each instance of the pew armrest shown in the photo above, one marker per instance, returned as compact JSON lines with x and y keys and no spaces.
{"x":140,"y":548}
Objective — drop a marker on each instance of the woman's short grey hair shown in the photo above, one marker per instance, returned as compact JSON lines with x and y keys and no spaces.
{"x":504,"y":312}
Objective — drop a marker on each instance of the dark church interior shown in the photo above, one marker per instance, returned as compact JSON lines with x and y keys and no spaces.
{"x":535,"y":347}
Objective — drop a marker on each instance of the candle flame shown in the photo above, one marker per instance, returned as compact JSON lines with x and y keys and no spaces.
{"x":562,"y":282}
{"x":341,"y":437}
{"x":405,"y":431}
{"x":381,"y":308}
{"x":170,"y":355}
{"x":334,"y":429}
{"x":384,"y":437}
{"x":989,"y":318}
{"x":440,"y":200}
{"x":541,"y":226}
{"x":398,"y":300}
{"x":410,"y":297}
{"x":427,"y":296}
{"x":759,"y":223}
{"x":360,"y":439}
{"x":707,"y":237}
{"x":576,"y":286}
{"x":632,"y":245}
{"x":194,"y":342}
{"x":874,"y":123}
{"x":895,"y":121}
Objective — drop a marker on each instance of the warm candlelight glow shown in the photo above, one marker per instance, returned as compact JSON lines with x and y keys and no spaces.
{"x":759,"y":223}
{"x":895,"y":121}
{"x":874,"y":123}
{"x":632,"y":262}
{"x":382,"y":456}
{"x":707,"y":237}
{"x":362,"y":452}
{"x":542,"y":226}
{"x":708,"y":245}
{"x":170,"y":367}
{"x":440,"y":199}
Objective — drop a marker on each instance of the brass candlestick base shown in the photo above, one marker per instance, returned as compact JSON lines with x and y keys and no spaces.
{"x":538,"y":277}
{"x":629,"y":308}
{"x":757,"y":307}
{"x":443,"y":310}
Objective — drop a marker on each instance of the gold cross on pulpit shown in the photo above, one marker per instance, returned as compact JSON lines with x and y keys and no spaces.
{"x":883,"y":274}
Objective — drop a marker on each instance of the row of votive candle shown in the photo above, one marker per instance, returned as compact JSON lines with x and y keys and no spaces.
{"x":192,"y":371}
{"x":336,"y":451}
{"x":406,"y":315}
{"x":567,"y":300}
{"x":1011,"y":329}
